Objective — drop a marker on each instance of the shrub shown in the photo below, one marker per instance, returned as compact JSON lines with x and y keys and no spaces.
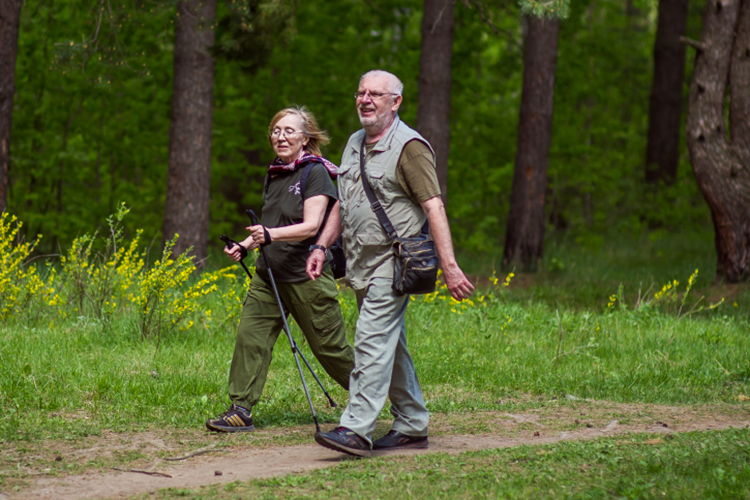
{"x":108,"y":279}
{"x":19,"y":283}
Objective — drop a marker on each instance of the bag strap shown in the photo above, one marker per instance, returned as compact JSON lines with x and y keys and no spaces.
{"x":306,"y":169}
{"x":303,"y":179}
{"x":374,"y":202}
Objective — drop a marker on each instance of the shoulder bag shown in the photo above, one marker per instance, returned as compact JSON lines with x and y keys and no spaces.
{"x":416,"y":262}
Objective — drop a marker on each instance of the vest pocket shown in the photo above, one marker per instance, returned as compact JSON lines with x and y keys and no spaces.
{"x":374,"y":238}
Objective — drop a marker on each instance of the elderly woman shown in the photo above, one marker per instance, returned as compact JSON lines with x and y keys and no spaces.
{"x":297,"y":197}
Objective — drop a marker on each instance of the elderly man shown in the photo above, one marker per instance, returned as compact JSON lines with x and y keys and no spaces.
{"x":400,"y":167}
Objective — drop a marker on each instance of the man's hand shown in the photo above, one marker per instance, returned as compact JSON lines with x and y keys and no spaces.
{"x":458,"y":285}
{"x":315,"y":263}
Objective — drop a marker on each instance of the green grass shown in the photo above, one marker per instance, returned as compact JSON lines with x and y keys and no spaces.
{"x":78,"y":377}
{"x":580,"y":272}
{"x":691,"y":465}
{"x":546,"y":337}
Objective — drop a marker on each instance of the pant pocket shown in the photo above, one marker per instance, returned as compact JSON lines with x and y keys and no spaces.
{"x":327,"y":323}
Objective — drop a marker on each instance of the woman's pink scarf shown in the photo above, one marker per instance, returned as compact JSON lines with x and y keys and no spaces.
{"x":279,"y":166}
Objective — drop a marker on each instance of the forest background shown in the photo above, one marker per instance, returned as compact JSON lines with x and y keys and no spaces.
{"x":101,"y":335}
{"x":91,"y":128}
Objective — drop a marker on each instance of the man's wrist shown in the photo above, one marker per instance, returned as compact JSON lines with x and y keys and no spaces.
{"x":317,"y":247}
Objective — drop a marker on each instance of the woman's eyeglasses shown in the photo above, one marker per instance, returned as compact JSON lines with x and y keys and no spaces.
{"x":277,"y":133}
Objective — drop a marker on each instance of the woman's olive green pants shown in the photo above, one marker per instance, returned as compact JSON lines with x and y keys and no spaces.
{"x":314,"y":307}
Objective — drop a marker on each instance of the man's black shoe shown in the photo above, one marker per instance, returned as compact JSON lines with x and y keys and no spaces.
{"x":344,"y":440}
{"x":235,"y":419}
{"x":394,"y":440}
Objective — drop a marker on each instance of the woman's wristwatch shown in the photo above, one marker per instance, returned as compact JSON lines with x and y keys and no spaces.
{"x":317,"y":247}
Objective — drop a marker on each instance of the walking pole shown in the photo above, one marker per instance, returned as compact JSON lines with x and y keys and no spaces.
{"x":243,"y":252}
{"x":255,"y":221}
{"x":230,"y":243}
{"x":295,"y":349}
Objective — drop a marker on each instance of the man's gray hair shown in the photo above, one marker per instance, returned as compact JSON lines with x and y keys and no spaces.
{"x":396,"y":86}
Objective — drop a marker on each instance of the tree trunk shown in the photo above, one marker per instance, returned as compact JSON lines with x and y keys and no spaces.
{"x":524,"y":237}
{"x":434,"y":107}
{"x":739,"y":84}
{"x":189,"y":176}
{"x":10,"y":19}
{"x":721,"y":164}
{"x":663,"y":149}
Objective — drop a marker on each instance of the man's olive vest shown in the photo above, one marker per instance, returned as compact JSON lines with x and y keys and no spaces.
{"x":367,"y":245}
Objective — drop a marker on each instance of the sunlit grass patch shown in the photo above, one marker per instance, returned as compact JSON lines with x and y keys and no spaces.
{"x":460,"y":397}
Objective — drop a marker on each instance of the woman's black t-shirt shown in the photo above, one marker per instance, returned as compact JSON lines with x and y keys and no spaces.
{"x":283,"y":205}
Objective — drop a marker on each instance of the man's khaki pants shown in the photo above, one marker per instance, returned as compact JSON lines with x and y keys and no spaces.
{"x":383,"y":367}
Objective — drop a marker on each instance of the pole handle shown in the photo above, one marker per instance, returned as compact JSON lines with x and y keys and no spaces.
{"x":243,"y":252}
{"x":253,"y":217}
{"x":230,"y":243}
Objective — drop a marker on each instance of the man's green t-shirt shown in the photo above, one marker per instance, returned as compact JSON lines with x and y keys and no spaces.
{"x":283,"y":206}
{"x":415,"y":172}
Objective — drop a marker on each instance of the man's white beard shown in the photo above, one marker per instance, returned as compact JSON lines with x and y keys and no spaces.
{"x":367,"y":121}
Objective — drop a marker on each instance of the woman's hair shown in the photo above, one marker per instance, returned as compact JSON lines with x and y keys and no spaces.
{"x":310,"y":128}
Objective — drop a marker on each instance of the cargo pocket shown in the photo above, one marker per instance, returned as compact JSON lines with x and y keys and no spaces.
{"x":327,"y":324}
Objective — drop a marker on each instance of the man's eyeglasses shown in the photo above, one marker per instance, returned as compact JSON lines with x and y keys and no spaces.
{"x":277,"y":133}
{"x":373,"y":95}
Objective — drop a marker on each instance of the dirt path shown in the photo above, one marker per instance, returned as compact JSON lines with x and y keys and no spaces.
{"x":449,"y":434}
